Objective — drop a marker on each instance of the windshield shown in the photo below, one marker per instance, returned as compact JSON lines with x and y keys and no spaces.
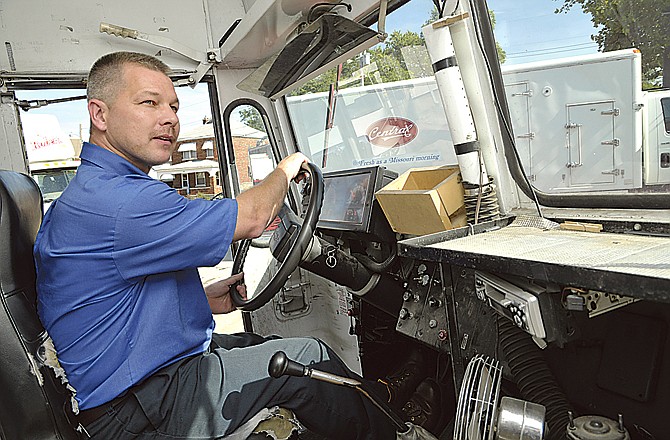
{"x":586,"y":102}
{"x":387,"y":110}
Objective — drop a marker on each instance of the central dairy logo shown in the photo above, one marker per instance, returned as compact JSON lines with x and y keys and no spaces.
{"x":391,"y":132}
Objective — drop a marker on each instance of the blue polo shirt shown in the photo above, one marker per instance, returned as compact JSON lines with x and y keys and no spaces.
{"x":117,"y":280}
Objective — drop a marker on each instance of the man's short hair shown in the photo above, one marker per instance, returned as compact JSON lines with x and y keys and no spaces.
{"x":105,"y":77}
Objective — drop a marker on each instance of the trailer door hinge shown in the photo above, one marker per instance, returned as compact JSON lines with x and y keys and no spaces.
{"x":611,"y":112}
{"x":530,"y":135}
{"x":614,"y":142}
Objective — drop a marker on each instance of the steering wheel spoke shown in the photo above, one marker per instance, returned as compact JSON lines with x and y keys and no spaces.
{"x":286,"y":233}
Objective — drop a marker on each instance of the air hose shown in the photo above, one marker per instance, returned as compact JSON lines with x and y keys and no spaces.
{"x":533,"y":377}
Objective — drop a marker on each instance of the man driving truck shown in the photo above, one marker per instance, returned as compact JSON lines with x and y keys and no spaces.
{"x":120,"y":295}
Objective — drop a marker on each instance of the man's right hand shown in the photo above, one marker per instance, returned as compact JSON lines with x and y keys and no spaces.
{"x":292,"y":166}
{"x":258,"y":206}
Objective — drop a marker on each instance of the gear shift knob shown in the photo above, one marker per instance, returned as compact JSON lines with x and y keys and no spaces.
{"x":280,"y":365}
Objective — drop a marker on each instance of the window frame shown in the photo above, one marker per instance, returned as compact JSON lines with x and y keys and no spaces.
{"x":189,"y":155}
{"x":202,"y":174}
{"x":207,"y":147}
{"x":665,"y":111}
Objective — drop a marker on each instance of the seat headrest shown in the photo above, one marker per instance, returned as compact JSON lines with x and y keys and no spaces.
{"x":21,"y":212}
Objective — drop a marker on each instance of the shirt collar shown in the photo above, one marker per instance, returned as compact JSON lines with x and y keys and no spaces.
{"x":103,"y":158}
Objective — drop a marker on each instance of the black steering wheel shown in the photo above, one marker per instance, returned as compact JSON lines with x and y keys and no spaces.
{"x":290,"y":262}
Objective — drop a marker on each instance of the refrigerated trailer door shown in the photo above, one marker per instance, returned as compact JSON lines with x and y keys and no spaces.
{"x":518,"y":97}
{"x":591,"y":144}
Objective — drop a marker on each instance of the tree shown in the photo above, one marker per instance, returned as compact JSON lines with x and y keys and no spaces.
{"x":643,"y":24}
{"x":502,"y":55}
{"x":389,"y":57}
{"x":251,"y":117}
{"x":322,"y":82}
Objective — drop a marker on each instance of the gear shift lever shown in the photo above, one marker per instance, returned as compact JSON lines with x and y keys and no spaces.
{"x":281,"y":365}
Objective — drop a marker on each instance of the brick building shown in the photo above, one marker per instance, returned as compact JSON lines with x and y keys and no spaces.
{"x":194,"y":168}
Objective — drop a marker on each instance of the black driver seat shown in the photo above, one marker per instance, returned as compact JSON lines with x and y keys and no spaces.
{"x":33,"y":400}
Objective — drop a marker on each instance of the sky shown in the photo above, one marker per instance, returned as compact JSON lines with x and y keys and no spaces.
{"x":528,"y":30}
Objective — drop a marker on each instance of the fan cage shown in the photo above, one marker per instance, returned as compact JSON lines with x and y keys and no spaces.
{"x":478,"y":400}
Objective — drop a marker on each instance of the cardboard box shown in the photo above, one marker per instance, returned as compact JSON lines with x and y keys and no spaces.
{"x":424,"y":200}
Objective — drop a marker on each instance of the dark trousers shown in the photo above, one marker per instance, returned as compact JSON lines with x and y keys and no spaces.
{"x":210,"y":395}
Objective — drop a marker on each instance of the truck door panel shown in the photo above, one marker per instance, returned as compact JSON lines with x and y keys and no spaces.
{"x":306,"y":301}
{"x":322,"y":310}
{"x":658,"y":141}
{"x":12,"y":151}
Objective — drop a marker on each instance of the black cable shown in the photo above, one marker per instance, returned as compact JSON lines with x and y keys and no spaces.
{"x":437,"y":6}
{"x":613,"y":200}
{"x":455,"y":7}
{"x":501,"y":115}
{"x":328,"y":6}
{"x":534,"y":378}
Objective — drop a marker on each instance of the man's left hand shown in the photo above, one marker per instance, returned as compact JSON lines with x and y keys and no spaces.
{"x":218,"y":293}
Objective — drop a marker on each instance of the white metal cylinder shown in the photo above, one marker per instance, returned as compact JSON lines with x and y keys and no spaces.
{"x":455,"y":102}
{"x":469,"y":163}
{"x":450,"y":84}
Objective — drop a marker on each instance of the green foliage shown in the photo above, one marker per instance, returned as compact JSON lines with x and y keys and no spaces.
{"x":389,"y":58}
{"x":318,"y":84}
{"x":322,"y":82}
{"x":389,"y":67}
{"x":626,"y":23}
{"x":251,"y":117}
{"x":502,"y":55}
{"x":199,"y":195}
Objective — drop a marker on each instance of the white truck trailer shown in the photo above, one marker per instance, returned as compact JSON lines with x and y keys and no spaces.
{"x":585,"y":124}
{"x":52,"y":159}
